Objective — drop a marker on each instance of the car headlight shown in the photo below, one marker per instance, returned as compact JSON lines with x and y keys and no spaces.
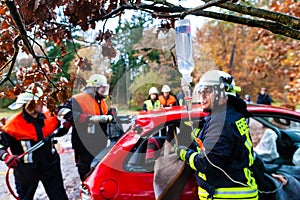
{"x":85,"y":193}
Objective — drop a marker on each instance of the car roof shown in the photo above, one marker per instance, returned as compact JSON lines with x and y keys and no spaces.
{"x":149,"y":119}
{"x":260,"y":108}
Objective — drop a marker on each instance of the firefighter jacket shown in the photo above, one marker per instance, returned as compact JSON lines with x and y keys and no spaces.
{"x":20,"y":133}
{"x":150,"y":105}
{"x":88,"y":138}
{"x":171,"y":101}
{"x":228,"y":145}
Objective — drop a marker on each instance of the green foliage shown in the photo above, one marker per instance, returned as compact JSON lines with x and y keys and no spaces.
{"x":54,"y":52}
{"x":128,"y":65}
{"x":140,"y":94}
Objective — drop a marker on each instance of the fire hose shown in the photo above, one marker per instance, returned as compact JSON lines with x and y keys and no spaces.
{"x":30,"y":150}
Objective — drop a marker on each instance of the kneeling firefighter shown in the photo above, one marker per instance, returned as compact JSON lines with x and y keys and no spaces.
{"x":221,"y":153}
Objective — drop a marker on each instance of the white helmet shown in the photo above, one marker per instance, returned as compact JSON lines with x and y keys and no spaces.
{"x":96,"y":80}
{"x":153,"y":90}
{"x":165,"y":88}
{"x":218,"y":81}
{"x":30,"y":94}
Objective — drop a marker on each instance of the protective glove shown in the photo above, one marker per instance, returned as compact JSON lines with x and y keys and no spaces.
{"x":11,"y":161}
{"x":61,"y":131}
{"x":101,"y":118}
{"x":67,"y":125}
{"x":181,"y":151}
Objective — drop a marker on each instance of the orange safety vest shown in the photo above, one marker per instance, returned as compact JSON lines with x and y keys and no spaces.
{"x":17,"y":127}
{"x":89,"y":105}
{"x":167,"y":102}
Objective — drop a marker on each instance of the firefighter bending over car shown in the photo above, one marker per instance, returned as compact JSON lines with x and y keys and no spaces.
{"x":21,"y":133}
{"x":221,"y":152}
{"x":88,"y":111}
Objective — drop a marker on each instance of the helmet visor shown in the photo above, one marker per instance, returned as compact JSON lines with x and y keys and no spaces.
{"x":200,"y":91}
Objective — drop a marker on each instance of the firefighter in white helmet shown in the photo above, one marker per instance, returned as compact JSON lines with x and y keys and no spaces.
{"x":166,"y":99}
{"x":221,"y":153}
{"x":152,"y":100}
{"x":21,"y":132}
{"x":89,"y":113}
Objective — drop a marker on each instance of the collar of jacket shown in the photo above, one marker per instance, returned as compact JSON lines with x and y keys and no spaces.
{"x":40,"y":118}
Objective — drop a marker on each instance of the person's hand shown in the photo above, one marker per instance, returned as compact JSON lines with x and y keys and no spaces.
{"x":181,"y":151}
{"x":67,"y":125}
{"x":61,"y":131}
{"x":11,"y":161}
{"x":280,"y":178}
{"x":101,"y":118}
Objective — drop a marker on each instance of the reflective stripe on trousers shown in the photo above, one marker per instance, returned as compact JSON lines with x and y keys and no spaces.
{"x":237,"y":193}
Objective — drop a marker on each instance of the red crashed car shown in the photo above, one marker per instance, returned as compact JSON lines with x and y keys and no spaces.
{"x":121,"y":170}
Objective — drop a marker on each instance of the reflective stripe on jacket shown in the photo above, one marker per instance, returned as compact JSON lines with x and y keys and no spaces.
{"x":238,"y":193}
{"x":89,"y":105}
{"x":20,"y":129}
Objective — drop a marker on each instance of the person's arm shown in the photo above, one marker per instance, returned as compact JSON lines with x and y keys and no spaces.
{"x":258,"y":99}
{"x":10,"y":160}
{"x":72,"y":112}
{"x":218,"y":148}
{"x":144,"y":107}
{"x":176,"y":102}
{"x":65,"y":111}
{"x":63,"y":129}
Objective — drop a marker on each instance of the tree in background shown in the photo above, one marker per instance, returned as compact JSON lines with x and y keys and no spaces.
{"x":127,"y":64}
{"x":66,"y":53}
{"x":250,"y":67}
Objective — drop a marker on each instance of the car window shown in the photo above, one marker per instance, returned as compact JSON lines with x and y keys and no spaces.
{"x":277,"y":123}
{"x":159,"y":141}
{"x":275,"y":138}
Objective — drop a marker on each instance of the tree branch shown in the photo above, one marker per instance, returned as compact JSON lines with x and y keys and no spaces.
{"x":293,"y":22}
{"x":286,"y":28}
{"x":23,"y":34}
{"x":11,"y":61}
{"x":202,"y":7}
{"x":274,"y":27}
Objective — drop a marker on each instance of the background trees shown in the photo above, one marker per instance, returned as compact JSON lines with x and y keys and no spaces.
{"x":259,"y":54}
